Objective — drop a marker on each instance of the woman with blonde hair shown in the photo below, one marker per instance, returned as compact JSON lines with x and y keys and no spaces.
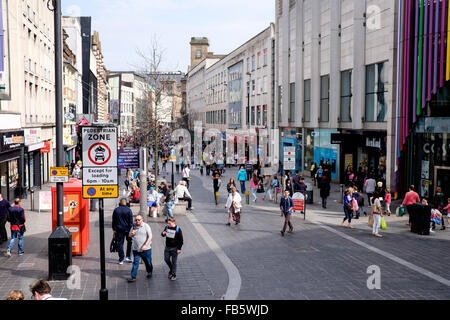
{"x":15,"y":295}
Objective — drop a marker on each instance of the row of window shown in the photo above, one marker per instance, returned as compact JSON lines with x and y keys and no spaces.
{"x":375,"y":100}
{"x":32,"y":16}
{"x":35,"y":99}
{"x":258,"y":86}
{"x":216,"y":117}
{"x":218,"y":96}
{"x":256,"y":60}
{"x":256,"y":116}
{"x":217,"y":79}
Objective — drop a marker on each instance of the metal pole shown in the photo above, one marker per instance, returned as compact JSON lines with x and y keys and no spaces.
{"x":173,"y":179}
{"x":58,"y":111}
{"x":103,"y":290}
{"x":143,"y":187}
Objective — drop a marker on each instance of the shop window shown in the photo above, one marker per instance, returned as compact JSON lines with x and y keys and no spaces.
{"x":324,"y":98}
{"x":307,"y":100}
{"x":253,"y":116}
{"x":248,"y":115}
{"x":265,"y":115}
{"x":376,"y":105}
{"x":346,"y":96}
{"x":258,"y":115}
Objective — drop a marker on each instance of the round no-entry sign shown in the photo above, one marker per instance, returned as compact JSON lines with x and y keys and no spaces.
{"x":91,"y":192}
{"x":99,"y":153}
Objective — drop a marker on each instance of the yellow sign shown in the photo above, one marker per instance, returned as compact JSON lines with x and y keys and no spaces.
{"x":98,"y":192}
{"x":59,"y":172}
{"x":172,"y":158}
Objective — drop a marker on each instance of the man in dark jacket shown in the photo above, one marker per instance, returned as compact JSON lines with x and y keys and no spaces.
{"x":4,"y":206}
{"x":302,"y":186}
{"x":324,"y":186}
{"x":174,"y":242}
{"x":296,"y":182}
{"x":16,"y":217}
{"x":286,"y":207}
{"x":122,"y":223}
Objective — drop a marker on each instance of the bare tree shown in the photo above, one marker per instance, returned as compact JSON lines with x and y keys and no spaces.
{"x":152,"y":111}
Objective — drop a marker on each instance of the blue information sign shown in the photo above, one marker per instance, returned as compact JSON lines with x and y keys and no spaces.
{"x":128,"y":158}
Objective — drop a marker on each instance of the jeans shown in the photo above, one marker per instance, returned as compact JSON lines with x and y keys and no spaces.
{"x":169,"y":209}
{"x":147,"y":257}
{"x":170,"y":257}
{"x":348,"y":215}
{"x":121,"y":235}
{"x":287,"y":222}
{"x":376,"y":223}
{"x":187,"y":182}
{"x":254,"y":190}
{"x":268,"y":192}
{"x":3,"y":233}
{"x":242,"y":187}
{"x":14,"y":234}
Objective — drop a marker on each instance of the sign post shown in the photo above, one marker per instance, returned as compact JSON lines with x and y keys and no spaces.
{"x":172,"y":158}
{"x":100,"y":178}
{"x":289,"y":158}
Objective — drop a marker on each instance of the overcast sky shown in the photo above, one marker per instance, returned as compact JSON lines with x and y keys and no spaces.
{"x":125,"y":25}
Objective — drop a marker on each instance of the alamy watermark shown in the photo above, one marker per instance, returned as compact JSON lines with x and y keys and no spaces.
{"x":374,"y":280}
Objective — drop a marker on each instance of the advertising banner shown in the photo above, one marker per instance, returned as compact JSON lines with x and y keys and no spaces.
{"x":128,"y":158}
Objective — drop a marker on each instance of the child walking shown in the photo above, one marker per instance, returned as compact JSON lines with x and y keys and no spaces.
{"x":387,"y":201}
{"x":174,"y":242}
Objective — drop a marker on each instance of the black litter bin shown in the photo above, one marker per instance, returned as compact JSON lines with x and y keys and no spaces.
{"x":310,"y":196}
{"x":59,"y":254}
{"x":420,"y":216}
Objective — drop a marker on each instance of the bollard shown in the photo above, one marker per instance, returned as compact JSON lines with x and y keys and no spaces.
{"x":216,"y":196}
{"x":247,"y":197}
{"x":342,"y":194}
{"x":32,"y":199}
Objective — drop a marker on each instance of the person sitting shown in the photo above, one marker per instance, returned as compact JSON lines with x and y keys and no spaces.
{"x":135,"y":194}
{"x":182,"y":194}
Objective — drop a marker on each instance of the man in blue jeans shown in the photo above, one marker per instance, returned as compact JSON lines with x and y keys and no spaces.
{"x":16,"y":217}
{"x":142,"y":247}
{"x":122,"y":223}
{"x":286,"y":207}
{"x":242,"y":177}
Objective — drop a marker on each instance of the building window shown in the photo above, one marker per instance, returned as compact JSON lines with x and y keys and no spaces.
{"x":253,"y":116}
{"x":253,"y":86}
{"x":376,"y":79}
{"x":280,"y":102}
{"x":324,"y":98}
{"x":259,"y":59}
{"x":346,"y":96}
{"x":265,"y":57}
{"x":198,"y":54}
{"x":248,"y":64}
{"x":307,"y":100}
{"x":258,"y":115}
{"x":248,"y":115}
{"x":264,"y":86}
{"x":253,"y":62}
{"x":265,"y":115}
{"x":292,"y":102}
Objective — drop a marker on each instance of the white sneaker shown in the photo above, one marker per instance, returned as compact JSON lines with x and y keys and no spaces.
{"x":8,"y":253}
{"x":128,"y":259}
{"x":121,"y":262}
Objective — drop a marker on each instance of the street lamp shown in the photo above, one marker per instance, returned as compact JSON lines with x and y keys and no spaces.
{"x":60,"y":241}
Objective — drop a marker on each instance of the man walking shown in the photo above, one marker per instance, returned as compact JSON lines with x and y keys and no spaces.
{"x":142,"y":247}
{"x":242,"y":177}
{"x":370,"y":186}
{"x":174,"y":242}
{"x":296,"y":182}
{"x":4,"y":206}
{"x":16,"y":217}
{"x":122,"y":223}
{"x":286,"y":207}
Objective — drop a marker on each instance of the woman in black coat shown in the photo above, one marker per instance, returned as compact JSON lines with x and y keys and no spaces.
{"x":324,"y":185}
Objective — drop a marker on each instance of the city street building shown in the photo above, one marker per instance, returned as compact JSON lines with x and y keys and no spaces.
{"x":422,"y":113}
{"x":335,"y":75}
{"x":102,"y":82}
{"x":27,"y":117}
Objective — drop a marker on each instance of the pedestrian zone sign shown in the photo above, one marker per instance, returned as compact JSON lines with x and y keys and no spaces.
{"x":100,"y":162}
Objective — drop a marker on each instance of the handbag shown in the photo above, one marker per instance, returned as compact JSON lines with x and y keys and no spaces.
{"x":383,"y":224}
{"x":114,"y":246}
{"x":355,"y":205}
{"x":370,"y":222}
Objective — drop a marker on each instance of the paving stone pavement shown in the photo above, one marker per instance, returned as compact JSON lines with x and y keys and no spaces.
{"x":310,"y":263}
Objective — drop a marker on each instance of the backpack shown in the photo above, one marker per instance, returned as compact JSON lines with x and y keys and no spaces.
{"x":275,"y":183}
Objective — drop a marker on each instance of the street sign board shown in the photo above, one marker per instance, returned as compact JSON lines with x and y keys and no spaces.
{"x":289,"y":158}
{"x":100,"y":162}
{"x":59,"y":174}
{"x":172,"y":156}
{"x":128,"y":158}
{"x":95,"y":192}
{"x":100,"y":176}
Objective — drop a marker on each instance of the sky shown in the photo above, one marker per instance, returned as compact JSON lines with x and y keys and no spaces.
{"x":126,"y":26}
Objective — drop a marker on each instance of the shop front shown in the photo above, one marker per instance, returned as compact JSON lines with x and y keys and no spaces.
{"x":32,"y":159}
{"x":11,"y":164}
{"x":364,"y":151}
{"x":430,"y":167}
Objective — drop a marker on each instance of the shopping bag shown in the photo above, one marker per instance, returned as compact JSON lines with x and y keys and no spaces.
{"x":114,"y":246}
{"x":355,"y":205}
{"x":383,"y":224}
{"x":401,"y":211}
{"x":370,"y":223}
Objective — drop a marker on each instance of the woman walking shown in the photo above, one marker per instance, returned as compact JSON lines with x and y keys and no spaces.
{"x":234,"y":206}
{"x":230,"y":185}
{"x":242,"y":177}
{"x":387,"y":201}
{"x":289,"y":187}
{"x":324,"y":186}
{"x":268,"y":188}
{"x":348,"y":207}
{"x":254,"y":186}
{"x":377,"y":213}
